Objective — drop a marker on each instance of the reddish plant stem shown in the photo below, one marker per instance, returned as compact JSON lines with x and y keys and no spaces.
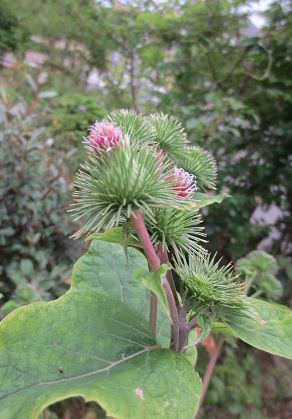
{"x":155,"y":263}
{"x":184,"y":330}
{"x":173,"y":315}
{"x":153,"y":259}
{"x":209,"y":371}
{"x":153,"y":312}
{"x":163,"y":256}
{"x":145,"y":240}
{"x":173,"y":302}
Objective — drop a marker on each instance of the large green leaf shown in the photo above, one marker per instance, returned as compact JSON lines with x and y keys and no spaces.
{"x":87,"y":344}
{"x":105,"y":269}
{"x":270,"y":329}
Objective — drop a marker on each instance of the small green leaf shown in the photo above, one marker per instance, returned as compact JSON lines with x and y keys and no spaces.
{"x":202,"y":199}
{"x":205,"y":323}
{"x":191,"y":352}
{"x":26,"y":266}
{"x":115,"y":235}
{"x":47,"y":94}
{"x":126,"y":236}
{"x":219,"y":327}
{"x":31,"y":82}
{"x":269,"y":329}
{"x":152,"y":281}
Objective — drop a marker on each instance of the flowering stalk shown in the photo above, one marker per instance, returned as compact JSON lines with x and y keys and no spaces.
{"x":154,"y":263}
{"x":180,"y":329}
{"x":173,"y":314}
{"x":163,"y":256}
{"x":152,"y":257}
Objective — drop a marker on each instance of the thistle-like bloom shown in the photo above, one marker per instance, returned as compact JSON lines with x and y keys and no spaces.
{"x":183,"y":183}
{"x":103,"y":136}
{"x":199,"y":162}
{"x":109,"y":189}
{"x":211,"y":289}
{"x":178,"y":230}
{"x":137,"y":128}
{"x":169,"y":133}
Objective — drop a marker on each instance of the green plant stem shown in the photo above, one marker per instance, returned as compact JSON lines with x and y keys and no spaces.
{"x":209,"y":371}
{"x":248,"y":283}
{"x":257,"y":293}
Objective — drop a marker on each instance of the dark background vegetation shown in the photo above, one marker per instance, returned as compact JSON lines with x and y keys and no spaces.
{"x":66,"y":63}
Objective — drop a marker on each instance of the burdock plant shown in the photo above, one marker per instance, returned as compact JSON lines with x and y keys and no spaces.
{"x":121,"y":335}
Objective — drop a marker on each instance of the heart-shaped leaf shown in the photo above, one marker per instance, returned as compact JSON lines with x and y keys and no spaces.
{"x":86,"y":344}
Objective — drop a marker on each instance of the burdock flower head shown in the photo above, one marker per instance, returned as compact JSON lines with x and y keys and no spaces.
{"x":103,"y":136}
{"x":183,"y":183}
{"x":211,"y":289}
{"x":110,"y":188}
{"x":131,"y":167}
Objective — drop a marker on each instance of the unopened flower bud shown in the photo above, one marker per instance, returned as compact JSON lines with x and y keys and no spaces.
{"x":183,"y":183}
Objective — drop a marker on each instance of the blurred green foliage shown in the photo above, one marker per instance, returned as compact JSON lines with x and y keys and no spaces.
{"x":204,"y":61}
{"x":72,"y":117}
{"x":235,"y":389}
{"x":243,"y":387}
{"x":36,"y":256}
{"x":259,"y":269}
{"x":14,"y":37}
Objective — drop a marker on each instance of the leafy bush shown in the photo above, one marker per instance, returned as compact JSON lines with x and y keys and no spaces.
{"x":69,"y":121}
{"x":235,"y":389}
{"x":72,"y":116}
{"x":14,"y":36}
{"x":34,"y":229}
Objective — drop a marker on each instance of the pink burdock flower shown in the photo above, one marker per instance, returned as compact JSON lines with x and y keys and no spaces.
{"x":103,"y":136}
{"x":183,"y":183}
